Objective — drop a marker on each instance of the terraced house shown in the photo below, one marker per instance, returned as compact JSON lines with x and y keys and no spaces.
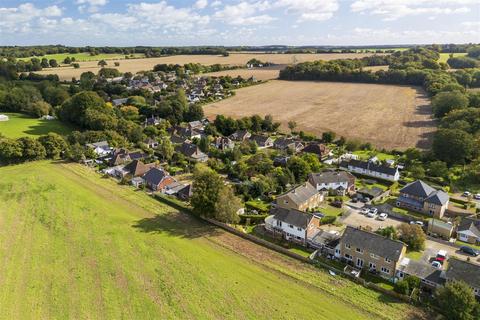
{"x":373,"y":252}
{"x":419,"y":196}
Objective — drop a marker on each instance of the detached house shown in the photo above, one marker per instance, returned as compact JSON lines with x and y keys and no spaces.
{"x":371,"y":169}
{"x":304,"y":197}
{"x":240,"y":135}
{"x":288,"y":144}
{"x":223,"y":143}
{"x":157,"y":179}
{"x":290,"y":223}
{"x":337,"y":182}
{"x":319,"y":149}
{"x":137,"y":168}
{"x":192,"y":151}
{"x":469,"y":230}
{"x":419,"y":196}
{"x":262,"y":141}
{"x":368,"y":250}
{"x":100,"y":148}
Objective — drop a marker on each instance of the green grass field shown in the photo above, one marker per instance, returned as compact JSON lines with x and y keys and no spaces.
{"x":84,"y":56}
{"x":445,"y":56}
{"x":75,"y":245}
{"x":21,"y":125}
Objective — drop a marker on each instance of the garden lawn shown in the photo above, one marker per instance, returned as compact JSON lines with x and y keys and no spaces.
{"x":75,"y":245}
{"x":366,"y":154}
{"x":21,"y":125}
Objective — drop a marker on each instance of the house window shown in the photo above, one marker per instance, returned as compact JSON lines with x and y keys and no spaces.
{"x":279,"y":223}
{"x":299,"y":229}
{"x":291,"y":226}
{"x":359,"y":250}
{"x":348,"y":257}
{"x":388,"y":260}
{"x":385,"y":270}
{"x":372,"y":266}
{"x":347,"y":246}
{"x":374,"y":256}
{"x":299,"y":238}
{"x":359,"y":263}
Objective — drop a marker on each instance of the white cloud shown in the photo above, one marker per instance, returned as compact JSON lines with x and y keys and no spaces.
{"x":314,"y":10}
{"x":395,"y":9}
{"x":90,"y":5}
{"x":201,"y":4}
{"x":245,"y":13}
{"x":216,"y":3}
{"x":21,"y":18}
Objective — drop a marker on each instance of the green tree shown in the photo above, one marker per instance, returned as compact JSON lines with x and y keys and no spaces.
{"x":417,"y":171}
{"x":453,"y":146}
{"x":102,"y":63}
{"x":32,"y":149}
{"x":54,"y":145}
{"x":444,"y":102}
{"x":53,"y":63}
{"x":328,"y":136}
{"x":165,"y":147}
{"x":227,"y":206}
{"x":87,"y":80}
{"x":438,"y":169}
{"x":292,"y":125}
{"x":299,"y":167}
{"x":413,"y":236}
{"x":207,"y":185}
{"x":457,"y":301}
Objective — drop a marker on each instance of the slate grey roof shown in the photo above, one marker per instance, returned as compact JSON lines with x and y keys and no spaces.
{"x":154,"y":176}
{"x":191,"y":150}
{"x":292,"y":216}
{"x":422,"y":270}
{"x":317,"y":148}
{"x":373,"y":243}
{"x":100,"y":144}
{"x":418,"y":188}
{"x":462,"y":270}
{"x":240,"y":135}
{"x":259,"y":139}
{"x":438,"y":197}
{"x":301,"y":193}
{"x":471,"y":226}
{"x":368,"y":165}
{"x":328,"y":177}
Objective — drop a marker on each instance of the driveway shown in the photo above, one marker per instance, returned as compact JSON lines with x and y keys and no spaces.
{"x":355,"y":219}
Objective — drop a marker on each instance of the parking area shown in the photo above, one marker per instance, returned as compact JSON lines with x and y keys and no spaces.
{"x":356,"y":219}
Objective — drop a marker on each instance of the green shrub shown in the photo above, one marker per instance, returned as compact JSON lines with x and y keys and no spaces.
{"x":328,"y":220}
{"x":402,"y":287}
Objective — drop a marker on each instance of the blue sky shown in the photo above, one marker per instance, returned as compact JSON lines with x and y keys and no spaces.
{"x":247,"y":22}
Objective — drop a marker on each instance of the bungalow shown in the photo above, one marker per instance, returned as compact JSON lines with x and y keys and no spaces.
{"x":262,"y":141}
{"x":303,"y":197}
{"x":337,"y":182}
{"x":368,"y":250}
{"x":290,"y":223}
{"x":118,"y":171}
{"x":319,"y":149}
{"x":137,"y":168}
{"x":371,"y":169}
{"x":122,"y":156}
{"x":469,"y":230}
{"x":419,"y":196}
{"x":100,"y":148}
{"x":157,"y":179}
{"x":240,"y":135}
{"x":288,"y":144}
{"x":192,"y":151}
{"x":430,"y":277}
{"x":223,"y":143}
{"x":186,"y":132}
{"x":459,"y":270}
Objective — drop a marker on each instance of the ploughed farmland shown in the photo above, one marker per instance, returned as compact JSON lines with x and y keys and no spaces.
{"x":392,"y":117}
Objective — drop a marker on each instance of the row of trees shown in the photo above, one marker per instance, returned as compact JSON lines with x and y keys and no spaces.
{"x":227,"y":125}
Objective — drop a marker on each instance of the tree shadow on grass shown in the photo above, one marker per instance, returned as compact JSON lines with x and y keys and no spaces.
{"x":177,"y":224}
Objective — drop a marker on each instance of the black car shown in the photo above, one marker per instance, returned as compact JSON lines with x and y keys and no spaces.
{"x":470,"y":251}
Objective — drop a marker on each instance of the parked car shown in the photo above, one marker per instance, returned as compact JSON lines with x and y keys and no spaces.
{"x":469,"y":250}
{"x":365,"y":211}
{"x":477,"y":196}
{"x":371,"y":214}
{"x":441,"y":256}
{"x":420,"y":223}
{"x":436,"y":265}
{"x":383,"y":216}
{"x":374,"y":210}
{"x":467,"y":194}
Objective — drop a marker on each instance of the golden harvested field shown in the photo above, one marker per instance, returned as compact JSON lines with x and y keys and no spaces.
{"x":391,"y":117}
{"x":135,"y":65}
